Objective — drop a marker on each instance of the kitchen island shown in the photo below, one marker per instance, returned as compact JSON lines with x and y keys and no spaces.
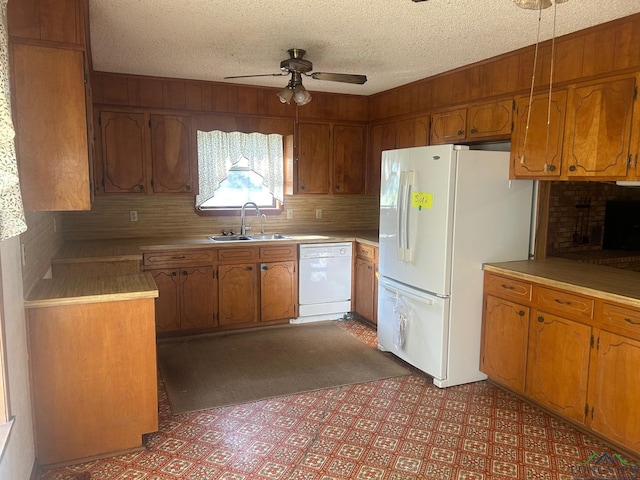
{"x":566,"y":335}
{"x":93,"y":365}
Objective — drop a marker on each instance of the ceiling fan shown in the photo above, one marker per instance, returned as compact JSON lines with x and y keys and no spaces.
{"x":297,"y":66}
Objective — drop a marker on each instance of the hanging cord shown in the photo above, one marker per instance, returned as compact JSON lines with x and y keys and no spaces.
{"x":533,"y":81}
{"x":553,"y":48}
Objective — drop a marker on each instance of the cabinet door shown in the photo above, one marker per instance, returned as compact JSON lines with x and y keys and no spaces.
{"x":558,"y":364}
{"x":60,"y":21}
{"x":365,"y":289}
{"x":171,"y":160}
{"x":598,"y":129}
{"x":168,"y":300}
{"x":381,"y":137}
{"x":614,"y":389}
{"x":348,"y":159}
{"x":413,"y":132}
{"x":448,"y":127}
{"x":51,"y":128}
{"x":537,"y":151}
{"x":197,"y":298}
{"x":278,"y":291}
{"x":505,"y":331}
{"x":124,"y":152}
{"x":314,"y":150}
{"x":491,"y":120}
{"x":238,"y":294}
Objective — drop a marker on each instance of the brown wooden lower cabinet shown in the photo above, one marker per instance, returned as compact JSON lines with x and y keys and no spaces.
{"x":278,"y":291}
{"x":365,"y":293}
{"x":577,"y":354}
{"x":238,"y":294}
{"x":93,"y":378}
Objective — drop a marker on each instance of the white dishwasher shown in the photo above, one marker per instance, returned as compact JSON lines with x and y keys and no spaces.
{"x":324,"y":287}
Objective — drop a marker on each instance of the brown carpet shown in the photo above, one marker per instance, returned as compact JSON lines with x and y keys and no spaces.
{"x":224,"y":369}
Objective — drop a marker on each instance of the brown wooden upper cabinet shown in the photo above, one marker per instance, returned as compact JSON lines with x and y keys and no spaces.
{"x":536,"y":151}
{"x":129,"y":139}
{"x":330,"y":158}
{"x":174,"y":170}
{"x":52,"y":149}
{"x":411,"y":132}
{"x":598,"y":129}
{"x":124,"y":152}
{"x":478,"y":122}
{"x":62,"y":21}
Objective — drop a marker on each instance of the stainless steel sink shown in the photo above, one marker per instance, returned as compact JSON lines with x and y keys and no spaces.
{"x":228,"y":238}
{"x":268,"y":236}
{"x":258,"y":236}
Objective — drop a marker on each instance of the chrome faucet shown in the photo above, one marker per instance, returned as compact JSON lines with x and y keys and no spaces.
{"x":243,"y":227}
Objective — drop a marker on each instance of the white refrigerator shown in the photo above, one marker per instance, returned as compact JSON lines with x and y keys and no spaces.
{"x":444,"y":211}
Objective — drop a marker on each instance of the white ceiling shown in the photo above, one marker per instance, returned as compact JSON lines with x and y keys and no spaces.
{"x":393,"y":42}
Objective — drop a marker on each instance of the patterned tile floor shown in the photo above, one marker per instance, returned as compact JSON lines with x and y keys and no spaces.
{"x":403,"y":428}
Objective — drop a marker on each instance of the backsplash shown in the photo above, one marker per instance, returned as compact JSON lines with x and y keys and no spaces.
{"x":166,"y":215}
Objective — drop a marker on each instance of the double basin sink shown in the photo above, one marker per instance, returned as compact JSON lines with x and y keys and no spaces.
{"x":258,"y":236}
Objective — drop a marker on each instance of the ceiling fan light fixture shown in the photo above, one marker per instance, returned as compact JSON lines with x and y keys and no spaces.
{"x":535,"y":4}
{"x":301,"y":95}
{"x":285,"y":95}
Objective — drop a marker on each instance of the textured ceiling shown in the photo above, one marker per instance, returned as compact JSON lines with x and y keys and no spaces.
{"x":393,"y":42}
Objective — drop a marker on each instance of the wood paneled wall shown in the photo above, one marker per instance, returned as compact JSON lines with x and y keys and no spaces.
{"x":165,"y":215}
{"x":609,"y":48}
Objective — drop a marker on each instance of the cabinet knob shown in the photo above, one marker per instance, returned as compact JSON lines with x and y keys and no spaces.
{"x":473,"y":130}
{"x":541,"y":319}
{"x":552,"y":168}
{"x":188,"y":187}
{"x":173,"y":274}
{"x":521,"y":313}
{"x":250,"y":268}
{"x":572,"y":168}
{"x":141,"y":187}
{"x":459,"y":132}
{"x":184,"y":272}
{"x":264,"y":267}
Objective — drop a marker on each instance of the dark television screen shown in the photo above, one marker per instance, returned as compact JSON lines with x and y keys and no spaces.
{"x":622,"y":225}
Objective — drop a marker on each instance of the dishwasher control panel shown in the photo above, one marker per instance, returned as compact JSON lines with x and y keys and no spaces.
{"x":325,"y":250}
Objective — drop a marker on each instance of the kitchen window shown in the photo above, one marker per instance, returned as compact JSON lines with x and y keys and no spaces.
{"x":235,"y":168}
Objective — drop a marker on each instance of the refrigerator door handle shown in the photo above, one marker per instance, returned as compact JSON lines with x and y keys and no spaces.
{"x":404,"y":293}
{"x":400,"y":225}
{"x":407,"y":200}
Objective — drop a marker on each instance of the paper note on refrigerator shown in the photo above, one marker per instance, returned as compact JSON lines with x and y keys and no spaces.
{"x":421,"y":200}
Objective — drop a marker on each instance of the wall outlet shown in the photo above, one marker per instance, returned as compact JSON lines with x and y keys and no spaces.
{"x":289,"y":213}
{"x":318,"y":213}
{"x":133,"y":215}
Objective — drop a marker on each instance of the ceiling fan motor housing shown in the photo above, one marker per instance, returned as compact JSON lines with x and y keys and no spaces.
{"x":295,"y":62}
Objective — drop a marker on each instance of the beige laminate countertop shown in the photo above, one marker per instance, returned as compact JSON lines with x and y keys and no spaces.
{"x":83,"y":251}
{"x":596,"y":280}
{"x":86,"y":289}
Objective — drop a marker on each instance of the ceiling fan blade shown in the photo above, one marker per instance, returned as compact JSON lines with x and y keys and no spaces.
{"x":259,"y":75}
{"x":339,"y":77}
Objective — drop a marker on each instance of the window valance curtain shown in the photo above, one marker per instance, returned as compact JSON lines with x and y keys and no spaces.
{"x":12,"y":220}
{"x":219,"y":151}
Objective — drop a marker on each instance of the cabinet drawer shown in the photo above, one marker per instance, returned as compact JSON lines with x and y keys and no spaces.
{"x":238,"y":254}
{"x":619,"y":319}
{"x":507,"y":287}
{"x":279,"y":252}
{"x":368,"y":252}
{"x":564,"y":302}
{"x":178,"y":258}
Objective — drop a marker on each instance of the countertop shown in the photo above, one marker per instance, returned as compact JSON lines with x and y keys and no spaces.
{"x":596,"y":280}
{"x":132,"y":248}
{"x":87,"y":289}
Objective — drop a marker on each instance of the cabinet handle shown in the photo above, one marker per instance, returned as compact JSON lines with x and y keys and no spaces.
{"x":572,"y":168}
{"x":541,"y":319}
{"x":628,"y":320}
{"x":178,"y":257}
{"x":521,"y":313}
{"x":507,"y":287}
{"x":250,"y":268}
{"x":557,"y":300}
